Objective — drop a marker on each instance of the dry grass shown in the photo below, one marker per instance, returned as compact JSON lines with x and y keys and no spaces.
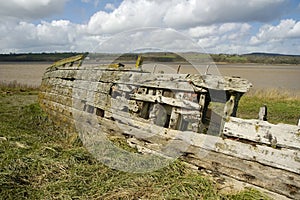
{"x":283,"y":105}
{"x":274,"y":94}
{"x":39,"y":162}
{"x":16,"y":87}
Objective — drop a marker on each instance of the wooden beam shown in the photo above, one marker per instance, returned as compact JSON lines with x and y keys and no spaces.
{"x":220,"y":82}
{"x":166,"y":100}
{"x":263,"y":132}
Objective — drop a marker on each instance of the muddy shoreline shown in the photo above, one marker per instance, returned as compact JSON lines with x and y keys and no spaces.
{"x":283,"y":77}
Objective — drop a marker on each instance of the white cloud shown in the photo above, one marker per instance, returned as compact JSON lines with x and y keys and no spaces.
{"x":182,"y":14}
{"x":286,"y":29}
{"x":109,"y":6}
{"x":33,"y":9}
{"x":61,"y":35}
{"x":204,"y":31}
{"x":152,"y":39}
{"x":214,"y":38}
{"x":283,"y":38}
{"x":130,"y":14}
{"x":218,"y":26}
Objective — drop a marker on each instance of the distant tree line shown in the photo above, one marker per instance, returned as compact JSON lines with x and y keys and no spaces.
{"x":158,"y":57}
{"x":35,"y":57}
{"x":257,"y":58}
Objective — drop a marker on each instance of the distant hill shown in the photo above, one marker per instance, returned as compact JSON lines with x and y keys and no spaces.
{"x":265,"y":58}
{"x":35,"y":57}
{"x":268,"y":54}
{"x":256,"y":57}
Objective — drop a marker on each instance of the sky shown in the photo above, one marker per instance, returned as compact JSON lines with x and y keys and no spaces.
{"x":217,"y":26}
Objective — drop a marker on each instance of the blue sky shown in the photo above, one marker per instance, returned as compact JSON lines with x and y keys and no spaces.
{"x":80,"y":11}
{"x":218,"y":26}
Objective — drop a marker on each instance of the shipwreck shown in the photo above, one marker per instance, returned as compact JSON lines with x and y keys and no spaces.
{"x":125,"y":101}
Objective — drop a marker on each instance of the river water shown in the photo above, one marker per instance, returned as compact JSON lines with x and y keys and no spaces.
{"x":284,"y":77}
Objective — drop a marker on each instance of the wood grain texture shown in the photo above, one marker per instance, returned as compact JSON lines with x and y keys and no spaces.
{"x":120,"y":100}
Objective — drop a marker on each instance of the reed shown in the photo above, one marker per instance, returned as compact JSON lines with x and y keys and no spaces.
{"x":15,"y":87}
{"x":274,"y":94}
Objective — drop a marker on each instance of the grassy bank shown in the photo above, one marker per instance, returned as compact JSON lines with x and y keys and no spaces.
{"x":38,"y":161}
{"x":15,"y":87}
{"x":283,"y":106}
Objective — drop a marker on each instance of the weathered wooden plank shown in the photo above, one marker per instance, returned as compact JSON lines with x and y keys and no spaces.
{"x":118,"y":127}
{"x":220,"y":82}
{"x":283,"y":158}
{"x":286,"y":159}
{"x":123,"y":104}
{"x":58,"y":81}
{"x":125,"y":88}
{"x":263,"y":113}
{"x":112,"y":75}
{"x":237,"y":97}
{"x":166,"y":100}
{"x":58,"y":107}
{"x":276,"y":180}
{"x":187,"y":112}
{"x":226,"y":184}
{"x":101,"y":101}
{"x":156,"y":137}
{"x":63,"y":74}
{"x":57,"y":89}
{"x":174,"y":119}
{"x":86,"y":85}
{"x":93,"y":86}
{"x":77,"y":84}
{"x":64,"y":120}
{"x":280,"y":135}
{"x":173,"y":82}
{"x":156,"y":80}
{"x":252,"y":172}
{"x":65,"y":100}
{"x":115,"y":108}
{"x":68,"y":60}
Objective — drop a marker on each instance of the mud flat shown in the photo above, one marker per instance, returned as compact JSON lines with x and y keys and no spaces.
{"x":266,"y":76}
{"x":284,"y":77}
{"x":29,"y":73}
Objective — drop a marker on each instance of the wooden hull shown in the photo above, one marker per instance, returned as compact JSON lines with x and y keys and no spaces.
{"x":124,"y":103}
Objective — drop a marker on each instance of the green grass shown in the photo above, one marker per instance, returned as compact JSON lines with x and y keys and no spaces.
{"x":283,"y":107}
{"x":38,"y":161}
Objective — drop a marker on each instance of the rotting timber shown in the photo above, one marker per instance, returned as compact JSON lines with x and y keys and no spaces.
{"x":254,"y":151}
